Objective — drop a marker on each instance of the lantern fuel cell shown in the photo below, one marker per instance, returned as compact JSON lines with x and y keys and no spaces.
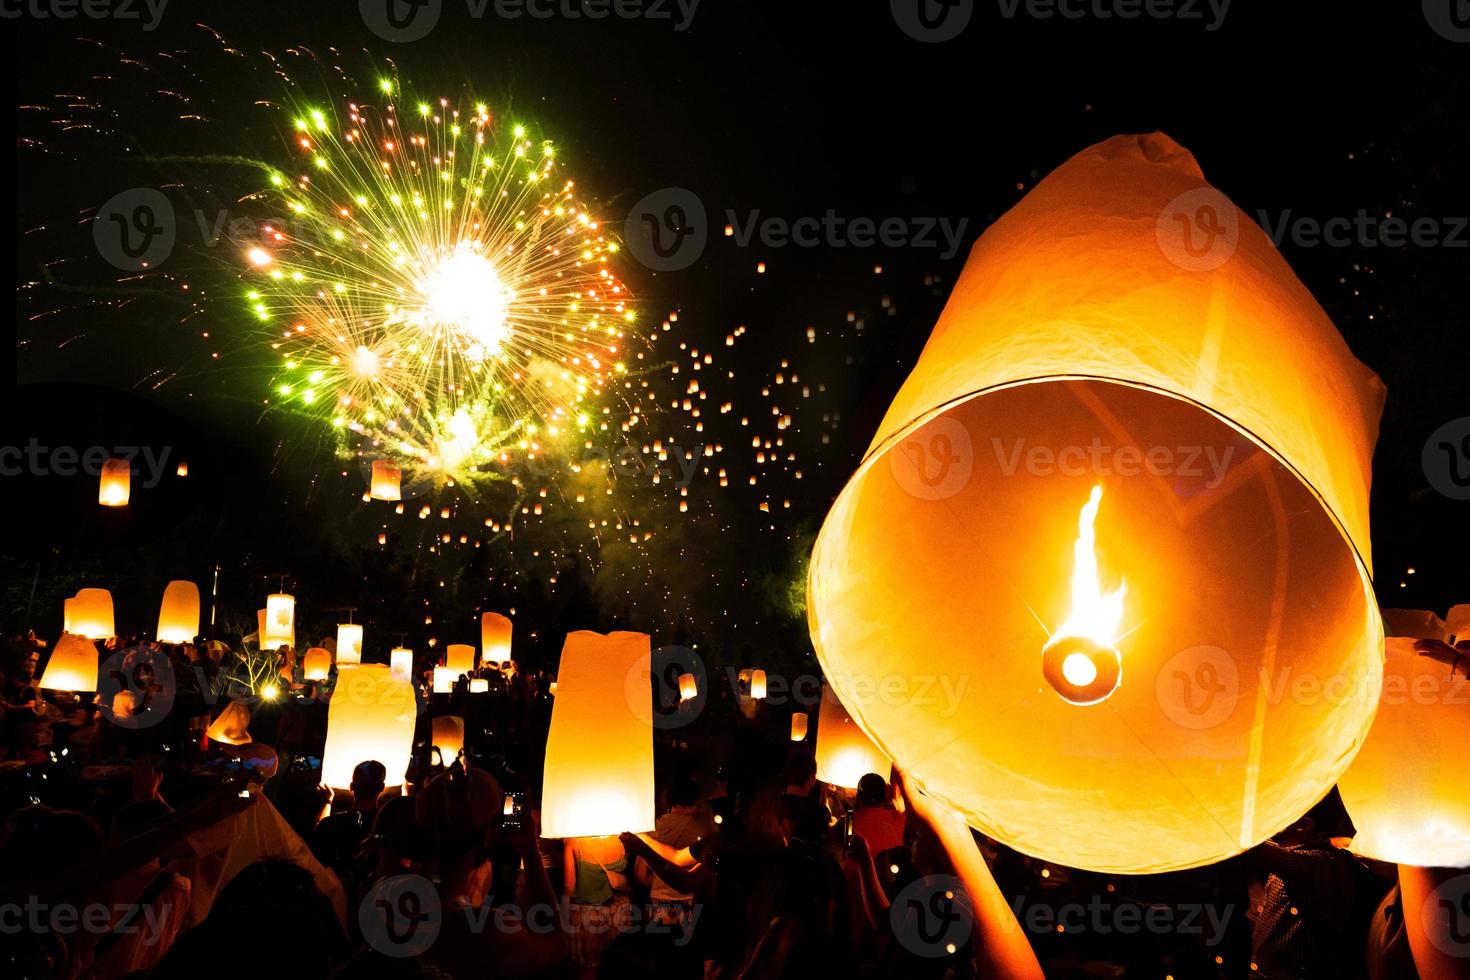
{"x":1123,"y":308}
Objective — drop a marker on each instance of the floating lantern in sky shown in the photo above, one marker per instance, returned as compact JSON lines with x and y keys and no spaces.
{"x":386,"y":481}
{"x":72,"y":667}
{"x":371,"y":716}
{"x":688,"y":687}
{"x":1111,"y":395}
{"x":845,"y":754}
{"x":115,"y":486}
{"x":448,"y":737}
{"x":349,"y":643}
{"x":280,"y":622}
{"x":460,"y":658}
{"x":316,"y":664}
{"x":495,"y":634}
{"x":400,"y":659}
{"x":598,"y":778}
{"x":799,"y":722}
{"x":1406,"y":789}
{"x":91,"y":614}
{"x":758,"y":684}
{"x":178,"y":614}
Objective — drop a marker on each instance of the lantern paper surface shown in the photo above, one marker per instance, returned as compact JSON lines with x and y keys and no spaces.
{"x":115,"y":485}
{"x":232,"y":727}
{"x":316,"y":664}
{"x":844,"y":753}
{"x":460,"y":658}
{"x":349,"y":643}
{"x":1416,"y":624}
{"x":1406,"y":789}
{"x":401,"y":662}
{"x":495,"y":631}
{"x":598,"y":779}
{"x":178,"y":615}
{"x":91,"y":614}
{"x":371,"y":716}
{"x":386,"y":481}
{"x":280,"y":621}
{"x":72,"y":667}
{"x":448,"y":737}
{"x":1103,"y":338}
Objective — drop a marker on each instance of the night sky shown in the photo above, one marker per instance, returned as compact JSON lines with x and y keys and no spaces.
{"x":786,"y":109}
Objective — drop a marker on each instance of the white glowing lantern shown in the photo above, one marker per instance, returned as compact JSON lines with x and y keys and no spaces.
{"x":401,"y":662}
{"x":178,"y":614}
{"x":349,"y":643}
{"x":72,"y":667}
{"x":91,"y":614}
{"x":371,"y":717}
{"x":386,"y":481}
{"x":460,"y":658}
{"x":495,"y":632}
{"x":116,"y":484}
{"x":799,"y":723}
{"x":444,"y":678}
{"x":280,"y":622}
{"x":479,"y":685}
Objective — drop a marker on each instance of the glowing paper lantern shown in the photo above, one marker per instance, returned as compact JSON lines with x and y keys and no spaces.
{"x":479,"y":685}
{"x":448,"y":737}
{"x":115,"y":486}
{"x":178,"y":615}
{"x":1457,"y":621}
{"x":444,"y":678}
{"x":799,"y":722}
{"x":495,"y":631}
{"x":386,"y":481}
{"x":598,"y":778}
{"x":1416,"y":624}
{"x":401,"y":662}
{"x":844,"y":753}
{"x":460,"y":658}
{"x":67,"y":605}
{"x":280,"y":622}
{"x":232,"y":727}
{"x":758,"y":684}
{"x":72,"y":667}
{"x":371,"y":716}
{"x":1406,"y":789}
{"x":688,"y":687}
{"x":91,"y":614}
{"x":316,"y":664}
{"x":349,"y":643}
{"x":1125,"y":328}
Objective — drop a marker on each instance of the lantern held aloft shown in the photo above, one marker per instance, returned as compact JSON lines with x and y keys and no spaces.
{"x":845,"y":754}
{"x":91,"y":614}
{"x":400,"y":659}
{"x":349,"y":643}
{"x":178,"y":614}
{"x":460,"y":658}
{"x":316,"y":664}
{"x":495,"y":632}
{"x":448,"y":738}
{"x":371,"y":717}
{"x":72,"y":667}
{"x":279,"y":629}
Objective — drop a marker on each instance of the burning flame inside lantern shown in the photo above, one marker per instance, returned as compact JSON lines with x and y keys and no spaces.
{"x":1081,"y":660}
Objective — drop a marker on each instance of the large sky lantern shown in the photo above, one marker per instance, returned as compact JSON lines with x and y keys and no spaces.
{"x":1108,"y":499}
{"x":1406,"y":789}
{"x":460,"y":658}
{"x":844,"y":752}
{"x":495,"y":635}
{"x":598,"y":778}
{"x":371,"y":716}
{"x":178,"y":614}
{"x":91,"y":614}
{"x":72,"y":666}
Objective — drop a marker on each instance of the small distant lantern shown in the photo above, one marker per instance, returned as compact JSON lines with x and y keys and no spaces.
{"x":280,"y":622}
{"x":178,"y":615}
{"x":349,"y":643}
{"x":232,"y":727}
{"x":448,"y":738}
{"x":444,"y":678}
{"x":799,"y":722}
{"x":479,"y":685}
{"x":116,"y":483}
{"x":598,"y":778}
{"x":401,"y":662}
{"x":183,"y":470}
{"x":91,"y":614}
{"x":845,"y":754}
{"x":688,"y":687}
{"x":316,"y":665}
{"x":495,"y":631}
{"x":371,"y":717}
{"x":758,"y":684}
{"x":72,"y":667}
{"x":551,"y":688}
{"x":387,"y":478}
{"x":460,"y":658}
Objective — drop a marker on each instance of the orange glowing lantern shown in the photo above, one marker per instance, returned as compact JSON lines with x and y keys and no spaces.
{"x":799,"y":723}
{"x":1113,"y":393}
{"x":400,"y":659}
{"x":72,"y":667}
{"x":479,"y":685}
{"x":91,"y":614}
{"x":844,"y":753}
{"x":178,"y":615}
{"x":598,"y":778}
{"x":316,"y":664}
{"x":495,"y":631}
{"x":232,"y":727}
{"x":444,"y":678}
{"x":370,"y":717}
{"x":116,"y":483}
{"x":1417,"y":624}
{"x":280,"y":622}
{"x":688,"y":687}
{"x":1406,"y":789}
{"x":386,"y":481}
{"x":460,"y":658}
{"x":758,"y":684}
{"x":349,"y":643}
{"x":67,"y":606}
{"x":448,"y":738}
